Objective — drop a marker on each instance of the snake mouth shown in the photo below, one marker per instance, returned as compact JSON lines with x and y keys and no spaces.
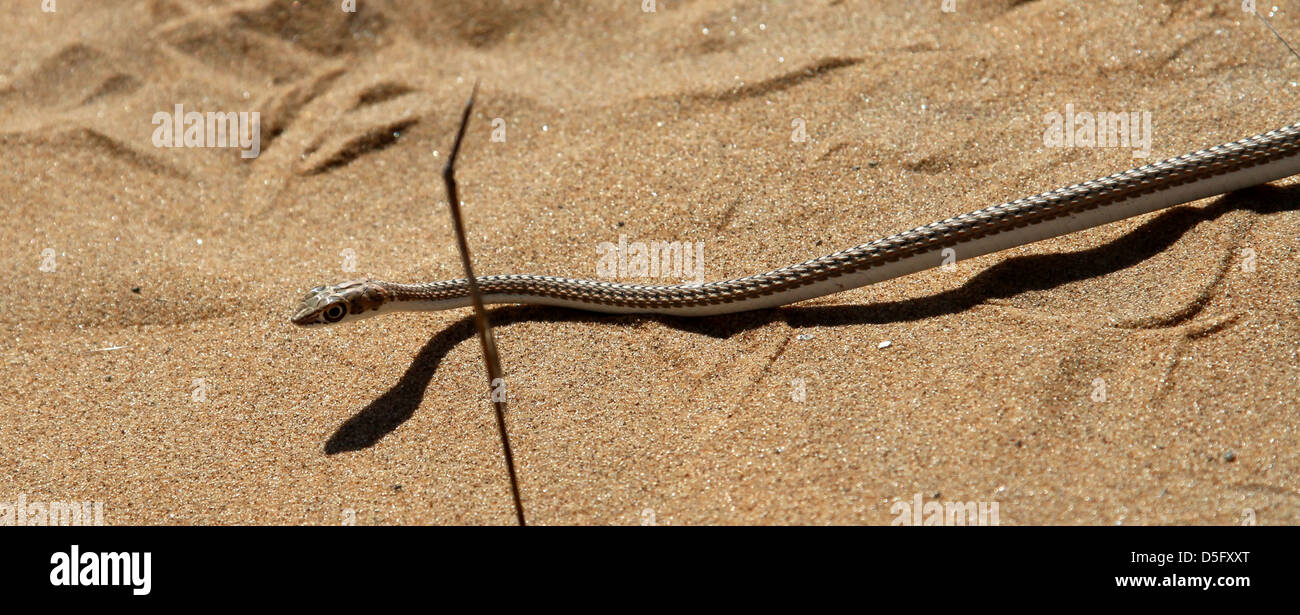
{"x":308,"y":313}
{"x":304,"y":318}
{"x":313,"y":308}
{"x":318,"y":310}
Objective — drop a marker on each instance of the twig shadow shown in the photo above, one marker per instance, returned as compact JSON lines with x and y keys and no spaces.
{"x":1003,"y":280}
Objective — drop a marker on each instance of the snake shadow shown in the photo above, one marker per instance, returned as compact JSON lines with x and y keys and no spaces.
{"x":1003,"y":280}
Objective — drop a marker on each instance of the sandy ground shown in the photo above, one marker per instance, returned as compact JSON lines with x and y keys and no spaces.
{"x":1139,"y":373}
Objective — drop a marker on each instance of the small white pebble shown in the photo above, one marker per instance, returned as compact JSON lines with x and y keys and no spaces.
{"x":884,"y":344}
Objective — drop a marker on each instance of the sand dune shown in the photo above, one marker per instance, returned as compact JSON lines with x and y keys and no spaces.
{"x":1144,"y":372}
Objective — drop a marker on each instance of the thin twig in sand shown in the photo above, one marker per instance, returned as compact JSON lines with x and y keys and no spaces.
{"x":485,"y":336}
{"x":1279,"y":36}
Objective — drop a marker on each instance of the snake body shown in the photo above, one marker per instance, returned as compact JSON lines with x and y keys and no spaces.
{"x":1217,"y":170}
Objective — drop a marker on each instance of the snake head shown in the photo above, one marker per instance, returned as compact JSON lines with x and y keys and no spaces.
{"x":351,"y":300}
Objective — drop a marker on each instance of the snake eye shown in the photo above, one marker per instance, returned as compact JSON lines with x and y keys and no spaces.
{"x":334,"y":313}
